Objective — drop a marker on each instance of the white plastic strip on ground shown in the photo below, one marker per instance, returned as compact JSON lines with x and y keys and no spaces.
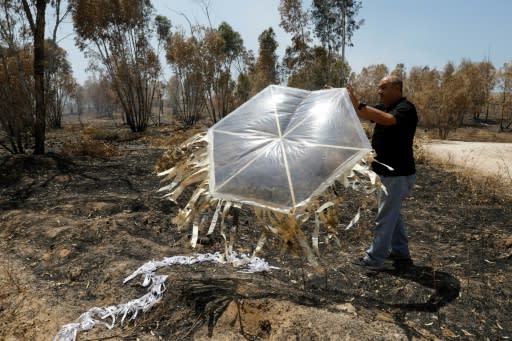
{"x":108,"y":316}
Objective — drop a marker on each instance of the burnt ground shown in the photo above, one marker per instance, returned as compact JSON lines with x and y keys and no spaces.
{"x":73,"y":227}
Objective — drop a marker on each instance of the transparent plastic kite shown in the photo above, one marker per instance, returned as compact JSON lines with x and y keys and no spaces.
{"x":284,"y":146}
{"x":279,"y":154}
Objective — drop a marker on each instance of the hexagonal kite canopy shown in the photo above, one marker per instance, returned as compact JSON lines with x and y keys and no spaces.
{"x":284,"y":146}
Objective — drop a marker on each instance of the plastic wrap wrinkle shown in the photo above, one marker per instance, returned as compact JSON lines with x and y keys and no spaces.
{"x":260,"y":154}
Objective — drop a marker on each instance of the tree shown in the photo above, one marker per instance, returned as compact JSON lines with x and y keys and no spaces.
{"x":440,"y":97}
{"x":400,"y":71}
{"x":367,"y":80}
{"x":37,"y":27}
{"x":266,"y":69}
{"x":422,"y":88}
{"x":322,"y":69}
{"x":203,"y":66}
{"x":78,"y":97}
{"x":221,"y":49}
{"x":101,"y":96}
{"x":453,"y":101}
{"x":335,"y":24}
{"x":243,"y":88}
{"x":186,"y":88}
{"x":118,"y":33}
{"x":478,"y":83}
{"x":504,"y":82}
{"x":59,"y":81}
{"x":16,"y":99}
{"x":295,"y":20}
{"x":19,"y":20}
{"x":16,"y":81}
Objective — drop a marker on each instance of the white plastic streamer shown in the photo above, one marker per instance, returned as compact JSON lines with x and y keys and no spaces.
{"x":108,"y":316}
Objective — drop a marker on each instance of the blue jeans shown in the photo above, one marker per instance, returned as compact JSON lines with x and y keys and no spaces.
{"x":390,"y":234}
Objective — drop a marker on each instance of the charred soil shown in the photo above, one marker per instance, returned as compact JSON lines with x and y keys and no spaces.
{"x":73,"y":227}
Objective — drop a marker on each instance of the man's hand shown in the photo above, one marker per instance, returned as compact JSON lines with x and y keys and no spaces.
{"x":353,"y":98}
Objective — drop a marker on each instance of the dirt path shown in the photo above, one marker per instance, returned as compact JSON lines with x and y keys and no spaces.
{"x":494,"y":159}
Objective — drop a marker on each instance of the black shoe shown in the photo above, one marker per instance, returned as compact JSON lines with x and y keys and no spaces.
{"x":364,"y":263}
{"x":403,"y":263}
{"x":395,"y":256}
{"x":399,"y":261}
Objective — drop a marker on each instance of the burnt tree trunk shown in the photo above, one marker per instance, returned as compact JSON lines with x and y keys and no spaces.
{"x":37,"y":28}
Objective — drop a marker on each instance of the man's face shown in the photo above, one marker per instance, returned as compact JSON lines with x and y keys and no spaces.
{"x":388,"y":91}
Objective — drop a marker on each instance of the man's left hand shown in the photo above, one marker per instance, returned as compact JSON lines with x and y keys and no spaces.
{"x":353,"y":97}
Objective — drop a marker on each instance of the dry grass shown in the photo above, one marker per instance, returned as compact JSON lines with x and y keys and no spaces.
{"x":479,"y":186}
{"x":89,"y":147}
{"x":11,"y":290}
{"x":95,"y":141}
{"x":420,"y":153}
{"x":475,"y":134}
{"x":168,"y":138}
{"x":10,"y":281}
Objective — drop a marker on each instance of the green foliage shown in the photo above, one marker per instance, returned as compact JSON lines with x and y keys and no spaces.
{"x":266,"y":69}
{"x":334,"y":24}
{"x":323,"y":69}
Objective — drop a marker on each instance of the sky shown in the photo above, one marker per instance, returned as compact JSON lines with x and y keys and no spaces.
{"x":413,"y":32}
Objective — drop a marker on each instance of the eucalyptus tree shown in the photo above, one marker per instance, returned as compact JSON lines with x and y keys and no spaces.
{"x":504,"y":85}
{"x":367,"y":80}
{"x":35,"y":13}
{"x":266,"y":69}
{"x":100,"y":96}
{"x":203,"y":65}
{"x":222,"y":49}
{"x":24,"y":90}
{"x":118,"y":34}
{"x":478,"y":82}
{"x":400,"y":71}
{"x":335,"y":23}
{"x":422,"y":88}
{"x":453,"y":100}
{"x":59,"y":83}
{"x":440,"y":97}
{"x":244,"y":82}
{"x":16,"y":82}
{"x":489,"y":79}
{"x":186,"y":87}
{"x":296,"y":21}
{"x":482,"y":87}
{"x":16,"y":100}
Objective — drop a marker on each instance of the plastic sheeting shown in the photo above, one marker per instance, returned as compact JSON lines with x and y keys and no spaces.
{"x":107,"y":316}
{"x":284,"y":146}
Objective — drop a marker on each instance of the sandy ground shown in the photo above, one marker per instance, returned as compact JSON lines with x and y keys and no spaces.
{"x":486,"y":158}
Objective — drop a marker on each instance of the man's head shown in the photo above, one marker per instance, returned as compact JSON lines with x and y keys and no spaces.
{"x":390,"y":90}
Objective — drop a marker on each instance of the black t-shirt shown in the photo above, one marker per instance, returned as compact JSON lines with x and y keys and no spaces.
{"x":394,"y":144}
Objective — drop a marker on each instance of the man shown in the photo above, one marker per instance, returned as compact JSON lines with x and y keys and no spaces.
{"x":395,"y":125}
